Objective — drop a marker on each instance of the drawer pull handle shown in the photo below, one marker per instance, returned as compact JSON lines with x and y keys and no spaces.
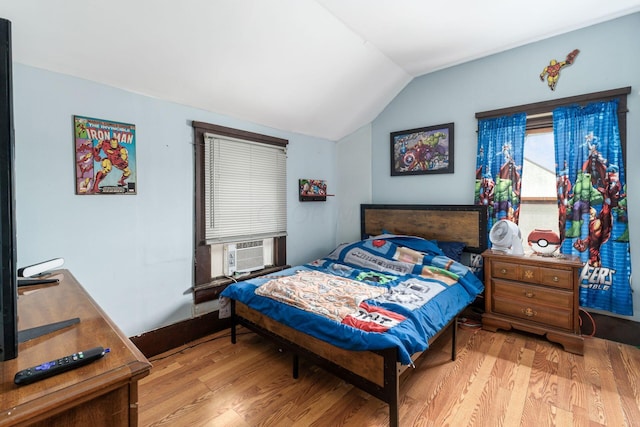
{"x":529,"y":294}
{"x":529,"y":312}
{"x":556,"y":279}
{"x":503,"y":271}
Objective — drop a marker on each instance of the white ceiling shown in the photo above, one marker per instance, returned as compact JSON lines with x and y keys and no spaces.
{"x":317,"y":67}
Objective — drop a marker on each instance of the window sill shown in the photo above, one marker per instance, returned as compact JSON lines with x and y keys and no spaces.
{"x":213,"y":289}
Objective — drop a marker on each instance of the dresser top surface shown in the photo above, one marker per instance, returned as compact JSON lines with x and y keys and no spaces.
{"x":43,"y":306}
{"x":556,"y":260}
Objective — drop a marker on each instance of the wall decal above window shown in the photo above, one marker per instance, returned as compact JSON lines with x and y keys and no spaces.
{"x":552,"y":71}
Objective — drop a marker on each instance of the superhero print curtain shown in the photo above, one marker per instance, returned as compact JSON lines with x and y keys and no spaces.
{"x":592,"y":203}
{"x":498,"y":166}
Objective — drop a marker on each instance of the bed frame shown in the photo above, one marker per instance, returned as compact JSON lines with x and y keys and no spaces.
{"x":376,"y":372}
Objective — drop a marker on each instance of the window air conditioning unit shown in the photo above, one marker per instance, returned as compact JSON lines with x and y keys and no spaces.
{"x":243,"y":257}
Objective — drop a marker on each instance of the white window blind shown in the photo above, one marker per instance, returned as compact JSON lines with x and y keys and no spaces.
{"x":245,"y":190}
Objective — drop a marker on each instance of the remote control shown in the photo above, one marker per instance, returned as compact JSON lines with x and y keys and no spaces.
{"x":58,"y":366}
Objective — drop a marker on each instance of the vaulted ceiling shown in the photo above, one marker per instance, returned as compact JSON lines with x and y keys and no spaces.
{"x":317,"y":67}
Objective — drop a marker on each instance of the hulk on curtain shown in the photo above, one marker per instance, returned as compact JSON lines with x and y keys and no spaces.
{"x":499,"y":165}
{"x":592,"y":202}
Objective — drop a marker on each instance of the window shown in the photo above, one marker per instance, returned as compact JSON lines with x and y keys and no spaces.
{"x":535,"y":208}
{"x":245,"y":189}
{"x":240,"y":195}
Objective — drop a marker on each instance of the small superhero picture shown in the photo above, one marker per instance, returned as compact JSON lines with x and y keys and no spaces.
{"x":312,"y":190}
{"x":105,"y":154}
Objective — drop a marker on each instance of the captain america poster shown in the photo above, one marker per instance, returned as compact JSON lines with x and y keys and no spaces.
{"x":105,"y":155}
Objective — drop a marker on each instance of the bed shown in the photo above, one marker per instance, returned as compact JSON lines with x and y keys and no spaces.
{"x":404,"y":292}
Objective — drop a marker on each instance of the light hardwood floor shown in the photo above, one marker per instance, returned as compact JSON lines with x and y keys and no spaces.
{"x":498,"y":379}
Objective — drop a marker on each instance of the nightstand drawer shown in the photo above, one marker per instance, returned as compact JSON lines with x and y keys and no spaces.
{"x":533,"y":274}
{"x":556,"y":278}
{"x":532,"y":294}
{"x":503,"y":270}
{"x":543,"y":314}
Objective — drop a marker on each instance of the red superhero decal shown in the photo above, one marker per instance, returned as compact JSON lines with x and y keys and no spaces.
{"x":552,"y":71}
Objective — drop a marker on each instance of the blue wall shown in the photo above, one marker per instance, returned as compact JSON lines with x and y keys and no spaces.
{"x":609,"y":58}
{"x":134,"y":254}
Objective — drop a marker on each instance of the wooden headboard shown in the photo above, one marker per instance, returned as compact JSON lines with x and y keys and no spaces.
{"x":448,"y":223}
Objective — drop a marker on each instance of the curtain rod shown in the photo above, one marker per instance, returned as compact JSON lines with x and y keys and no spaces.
{"x":539,"y":115}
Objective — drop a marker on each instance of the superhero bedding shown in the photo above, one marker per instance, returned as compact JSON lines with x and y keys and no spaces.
{"x":386,"y":291}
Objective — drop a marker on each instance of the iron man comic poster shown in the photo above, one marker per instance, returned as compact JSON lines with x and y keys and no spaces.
{"x":105,"y":154}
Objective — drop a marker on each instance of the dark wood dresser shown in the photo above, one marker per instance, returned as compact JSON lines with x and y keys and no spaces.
{"x":102,"y":393}
{"x":535,"y":294}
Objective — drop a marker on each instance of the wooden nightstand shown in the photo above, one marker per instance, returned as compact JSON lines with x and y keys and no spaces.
{"x":534,"y":294}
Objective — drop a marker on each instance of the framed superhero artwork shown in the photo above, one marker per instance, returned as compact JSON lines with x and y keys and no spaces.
{"x":426,"y":150}
{"x":105,"y":155}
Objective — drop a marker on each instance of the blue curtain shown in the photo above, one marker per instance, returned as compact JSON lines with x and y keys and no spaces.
{"x":499,"y":164}
{"x":592,"y":202}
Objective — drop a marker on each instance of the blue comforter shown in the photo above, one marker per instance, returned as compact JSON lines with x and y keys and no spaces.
{"x":423,"y":291}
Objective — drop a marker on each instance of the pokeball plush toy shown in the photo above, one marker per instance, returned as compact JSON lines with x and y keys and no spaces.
{"x":544,"y":242}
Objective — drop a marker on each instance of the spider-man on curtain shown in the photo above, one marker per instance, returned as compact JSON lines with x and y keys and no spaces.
{"x":498,"y":166}
{"x":592,"y":203}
